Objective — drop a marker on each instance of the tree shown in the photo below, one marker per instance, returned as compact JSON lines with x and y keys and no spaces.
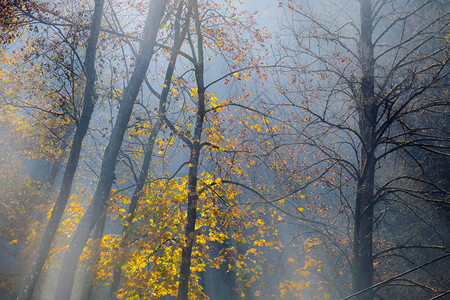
{"x":364,"y":82}
{"x":195,"y":140}
{"x":180,"y":34}
{"x":82,"y":126}
{"x":97,"y":206}
{"x":290,"y":190}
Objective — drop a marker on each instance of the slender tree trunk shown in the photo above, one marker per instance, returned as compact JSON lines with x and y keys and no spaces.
{"x":368,"y":110}
{"x":94,"y":211}
{"x":48,"y":189}
{"x":93,"y":260}
{"x":179,"y":38}
{"x":82,"y":127}
{"x":185,"y":269}
{"x":54,"y":170}
{"x":55,"y":167}
{"x":117,"y":272}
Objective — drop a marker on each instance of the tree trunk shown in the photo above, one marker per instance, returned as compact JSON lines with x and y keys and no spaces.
{"x":87,"y":222}
{"x":185,"y":269}
{"x":93,"y":260}
{"x":55,"y":167}
{"x":82,"y":127}
{"x":363,"y":261}
{"x":195,"y":148}
{"x":117,"y":272}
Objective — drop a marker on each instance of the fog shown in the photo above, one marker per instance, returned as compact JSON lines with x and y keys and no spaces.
{"x":233,"y":150}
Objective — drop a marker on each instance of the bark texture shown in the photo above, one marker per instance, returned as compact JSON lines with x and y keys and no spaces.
{"x":368,"y":110}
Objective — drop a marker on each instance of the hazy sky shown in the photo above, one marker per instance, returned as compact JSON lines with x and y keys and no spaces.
{"x":268,"y":12}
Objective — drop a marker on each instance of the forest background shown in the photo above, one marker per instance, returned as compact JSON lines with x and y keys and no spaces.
{"x":198,"y":149}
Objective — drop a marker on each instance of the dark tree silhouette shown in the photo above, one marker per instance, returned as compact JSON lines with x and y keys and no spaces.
{"x":369,"y":87}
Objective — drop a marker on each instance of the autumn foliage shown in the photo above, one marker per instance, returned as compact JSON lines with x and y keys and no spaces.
{"x":177,"y":148}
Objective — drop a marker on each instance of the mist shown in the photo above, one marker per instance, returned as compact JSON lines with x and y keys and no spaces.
{"x":173,"y":149}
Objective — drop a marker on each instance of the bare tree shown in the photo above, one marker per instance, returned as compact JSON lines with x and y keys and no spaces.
{"x":368,"y":89}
